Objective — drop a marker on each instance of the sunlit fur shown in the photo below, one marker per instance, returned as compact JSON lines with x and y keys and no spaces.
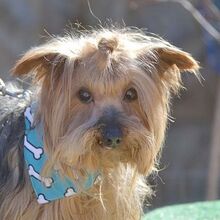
{"x":107,"y":62}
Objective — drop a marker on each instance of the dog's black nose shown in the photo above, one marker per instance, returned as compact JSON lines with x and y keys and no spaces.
{"x":110,"y":128}
{"x":112,"y":136}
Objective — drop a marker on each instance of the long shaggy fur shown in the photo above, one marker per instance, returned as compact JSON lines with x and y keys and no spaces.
{"x":107,"y":62}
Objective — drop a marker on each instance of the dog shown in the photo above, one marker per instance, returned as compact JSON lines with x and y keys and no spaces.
{"x":95,"y":126}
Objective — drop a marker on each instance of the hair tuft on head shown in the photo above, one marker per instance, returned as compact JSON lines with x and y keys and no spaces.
{"x":107,"y":45}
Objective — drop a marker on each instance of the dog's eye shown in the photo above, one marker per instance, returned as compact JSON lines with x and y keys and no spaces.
{"x":85,"y":96}
{"x":130,"y":95}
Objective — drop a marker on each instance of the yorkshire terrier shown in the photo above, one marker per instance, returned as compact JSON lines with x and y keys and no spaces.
{"x":94,"y":128}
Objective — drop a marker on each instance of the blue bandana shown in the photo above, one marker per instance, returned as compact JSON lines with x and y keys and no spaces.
{"x":46,"y":188}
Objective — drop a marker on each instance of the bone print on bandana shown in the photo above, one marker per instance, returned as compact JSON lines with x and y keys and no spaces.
{"x":51,"y":188}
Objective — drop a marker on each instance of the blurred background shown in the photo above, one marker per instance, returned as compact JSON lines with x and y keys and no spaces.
{"x":190,"y":160}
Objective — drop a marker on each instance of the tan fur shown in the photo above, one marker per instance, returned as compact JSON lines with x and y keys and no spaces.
{"x":107,"y":62}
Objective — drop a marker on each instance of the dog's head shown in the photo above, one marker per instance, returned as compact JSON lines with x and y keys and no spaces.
{"x":104,"y":97}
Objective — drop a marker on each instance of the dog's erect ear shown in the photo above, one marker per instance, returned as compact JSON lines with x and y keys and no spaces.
{"x":167,"y":57}
{"x":40,"y":60}
{"x":173,"y":56}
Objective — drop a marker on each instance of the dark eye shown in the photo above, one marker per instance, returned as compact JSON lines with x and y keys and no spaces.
{"x":130,"y":95}
{"x":85,"y":96}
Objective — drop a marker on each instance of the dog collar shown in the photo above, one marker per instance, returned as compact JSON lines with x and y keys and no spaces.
{"x":50,"y":188}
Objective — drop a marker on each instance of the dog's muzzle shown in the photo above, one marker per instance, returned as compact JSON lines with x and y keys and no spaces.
{"x":110,"y":129}
{"x":111,"y":136}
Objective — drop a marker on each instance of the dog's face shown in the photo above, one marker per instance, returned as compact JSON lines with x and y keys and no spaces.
{"x":104,"y":97}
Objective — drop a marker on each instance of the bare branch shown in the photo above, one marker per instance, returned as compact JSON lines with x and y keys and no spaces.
{"x":198,"y":16}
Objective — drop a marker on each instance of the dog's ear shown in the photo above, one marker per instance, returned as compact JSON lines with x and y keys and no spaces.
{"x":40,"y":60}
{"x":174,"y":56}
{"x":169,"y":62}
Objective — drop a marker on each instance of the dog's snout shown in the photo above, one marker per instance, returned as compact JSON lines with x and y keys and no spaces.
{"x":110,"y":128}
{"x":112,"y":136}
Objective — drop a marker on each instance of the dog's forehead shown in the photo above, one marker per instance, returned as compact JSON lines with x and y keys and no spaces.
{"x":112,"y":80}
{"x":101,"y":85}
{"x":111,"y":71}
{"x":109,"y":63}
